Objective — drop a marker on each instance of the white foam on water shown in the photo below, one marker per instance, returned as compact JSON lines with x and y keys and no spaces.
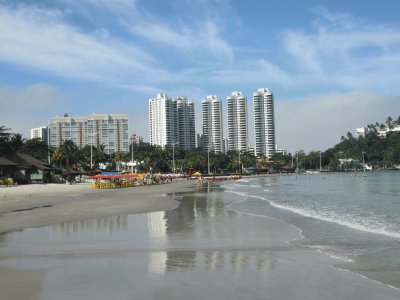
{"x":338,"y":220}
{"x":326,"y":250}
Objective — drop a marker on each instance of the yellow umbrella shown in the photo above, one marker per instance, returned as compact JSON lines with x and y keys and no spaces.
{"x":196,"y":173}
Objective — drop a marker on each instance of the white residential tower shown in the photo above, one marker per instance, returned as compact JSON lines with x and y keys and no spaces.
{"x":237,"y":122}
{"x":264,"y":123}
{"x":212,"y":124}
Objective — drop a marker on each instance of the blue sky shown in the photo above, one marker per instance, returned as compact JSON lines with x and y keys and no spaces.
{"x":332,"y":65}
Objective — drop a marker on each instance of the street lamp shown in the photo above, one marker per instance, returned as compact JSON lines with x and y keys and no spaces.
{"x":173,"y":156}
{"x":91,"y":149}
{"x":320,"y":161}
{"x":132,"y":154}
{"x":208,"y":160}
{"x":363,"y":161}
{"x":208,"y":156}
{"x":239,"y":163}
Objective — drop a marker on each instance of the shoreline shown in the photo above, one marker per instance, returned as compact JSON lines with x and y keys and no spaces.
{"x":47,"y":204}
{"x":210,"y":242}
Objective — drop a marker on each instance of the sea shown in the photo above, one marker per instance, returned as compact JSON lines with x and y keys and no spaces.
{"x":353,"y":217}
{"x":321,"y":236}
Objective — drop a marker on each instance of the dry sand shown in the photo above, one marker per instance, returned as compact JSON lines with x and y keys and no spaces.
{"x":44,"y":204}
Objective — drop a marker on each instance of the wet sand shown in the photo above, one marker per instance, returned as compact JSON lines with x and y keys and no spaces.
{"x":39,"y":205}
{"x":199,"y":249}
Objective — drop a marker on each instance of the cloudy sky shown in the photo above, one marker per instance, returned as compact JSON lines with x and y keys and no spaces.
{"x":333,"y":66}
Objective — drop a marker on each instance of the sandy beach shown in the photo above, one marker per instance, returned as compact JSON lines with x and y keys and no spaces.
{"x":142,"y":244}
{"x":45,"y":204}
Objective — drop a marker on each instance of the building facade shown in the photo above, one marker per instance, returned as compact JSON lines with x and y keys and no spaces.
{"x":172,"y":122}
{"x":186,"y":123}
{"x":264,"y":123}
{"x":41,"y":133}
{"x":135,"y":139}
{"x":212,"y":124}
{"x":237,"y":122}
{"x":163,"y":121}
{"x":110,"y":131}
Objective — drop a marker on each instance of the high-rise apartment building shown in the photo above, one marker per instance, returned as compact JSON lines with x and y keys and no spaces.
{"x":110,"y":131}
{"x":237,"y":122}
{"x":135,"y":139}
{"x":264,"y":123}
{"x":163,"y":121}
{"x":212,"y":124}
{"x":186,"y":123}
{"x":172,"y":122}
{"x":41,"y":133}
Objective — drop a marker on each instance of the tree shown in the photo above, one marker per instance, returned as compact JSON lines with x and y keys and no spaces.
{"x":5,"y":146}
{"x":36,"y":148}
{"x":57,"y":156}
{"x":69,"y":153}
{"x":117,"y":158}
{"x":389,"y":122}
{"x":349,"y":135}
{"x":16,"y":142}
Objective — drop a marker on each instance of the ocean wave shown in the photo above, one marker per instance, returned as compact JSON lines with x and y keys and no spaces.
{"x":247,"y":195}
{"x":328,"y":251}
{"x":337,"y":220}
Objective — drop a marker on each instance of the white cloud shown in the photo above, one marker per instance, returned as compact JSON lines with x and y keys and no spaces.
{"x":117,"y":6}
{"x":342,"y":47}
{"x":39,"y":39}
{"x":195,"y":41}
{"x":254,"y":72}
{"x":317,"y":123}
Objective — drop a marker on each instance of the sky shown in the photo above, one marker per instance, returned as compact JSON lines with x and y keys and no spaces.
{"x":333,"y":66}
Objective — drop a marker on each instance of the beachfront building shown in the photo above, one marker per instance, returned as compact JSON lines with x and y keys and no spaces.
{"x":40,"y":133}
{"x":237,"y":122}
{"x":212,"y":124}
{"x":186,"y":123}
{"x":382,"y":130}
{"x":172,"y":122}
{"x":135,"y":139}
{"x":110,"y":131}
{"x":163,"y":121}
{"x":264,"y":123}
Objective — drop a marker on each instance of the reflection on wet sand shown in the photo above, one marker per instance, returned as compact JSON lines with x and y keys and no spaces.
{"x":202,"y":217}
{"x":103,"y":225}
{"x":200,"y":234}
{"x":235,"y":261}
{"x":200,"y":237}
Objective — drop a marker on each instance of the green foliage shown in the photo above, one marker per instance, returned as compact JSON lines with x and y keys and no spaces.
{"x":373,"y":149}
{"x":5,"y":146}
{"x":69,"y":153}
{"x":36,"y":148}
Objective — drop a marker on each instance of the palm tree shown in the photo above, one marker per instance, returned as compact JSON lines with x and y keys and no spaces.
{"x":16,"y":142}
{"x":57,"y":156}
{"x":117,"y":158}
{"x":69,"y":152}
{"x":4,"y":141}
{"x":389,"y":122}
